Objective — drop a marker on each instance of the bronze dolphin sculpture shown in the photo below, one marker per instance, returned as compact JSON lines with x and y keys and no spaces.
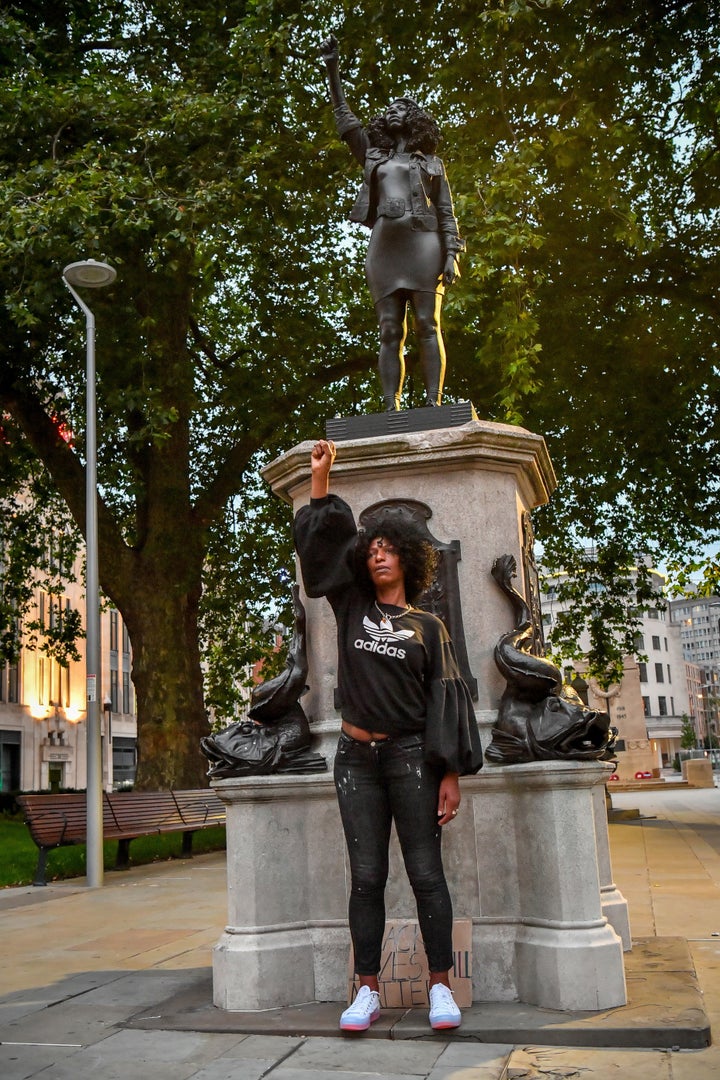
{"x":539,"y":718}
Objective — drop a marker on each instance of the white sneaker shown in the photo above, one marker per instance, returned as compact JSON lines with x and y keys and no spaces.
{"x":364,"y":1011}
{"x":444,"y":1013}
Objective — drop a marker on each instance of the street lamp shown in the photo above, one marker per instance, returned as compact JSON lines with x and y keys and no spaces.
{"x":90,"y":274}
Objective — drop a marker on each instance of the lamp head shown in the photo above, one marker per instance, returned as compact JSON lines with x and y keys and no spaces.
{"x":89,"y":274}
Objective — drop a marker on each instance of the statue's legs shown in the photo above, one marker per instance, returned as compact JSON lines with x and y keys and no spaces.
{"x":392,"y":320}
{"x":426,"y":312}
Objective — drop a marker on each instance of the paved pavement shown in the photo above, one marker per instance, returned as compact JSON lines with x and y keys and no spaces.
{"x":86,"y":975}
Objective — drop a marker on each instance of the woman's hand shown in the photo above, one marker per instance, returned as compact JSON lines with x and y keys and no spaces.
{"x":329,"y":51}
{"x":451,"y":270}
{"x":448,"y":798}
{"x":321,"y":462}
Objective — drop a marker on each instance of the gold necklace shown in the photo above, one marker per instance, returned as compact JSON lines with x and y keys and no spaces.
{"x":386,"y":619}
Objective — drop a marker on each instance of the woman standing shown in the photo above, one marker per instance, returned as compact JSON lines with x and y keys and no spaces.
{"x":408,"y":726}
{"x":413,"y":253}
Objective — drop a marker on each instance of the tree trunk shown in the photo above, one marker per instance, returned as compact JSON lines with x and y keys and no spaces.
{"x":163,"y":628}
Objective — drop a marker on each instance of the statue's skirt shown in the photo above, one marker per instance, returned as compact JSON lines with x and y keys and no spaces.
{"x":400,"y":257}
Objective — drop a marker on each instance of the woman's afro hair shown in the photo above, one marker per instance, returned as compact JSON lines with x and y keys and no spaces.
{"x":418,"y":558}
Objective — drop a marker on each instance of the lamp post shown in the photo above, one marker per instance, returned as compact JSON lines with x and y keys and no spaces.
{"x":91,"y":275}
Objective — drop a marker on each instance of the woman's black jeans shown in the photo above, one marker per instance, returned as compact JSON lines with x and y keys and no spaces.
{"x":376,"y":784}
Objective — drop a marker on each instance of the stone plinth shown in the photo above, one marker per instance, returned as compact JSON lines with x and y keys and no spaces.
{"x":540,"y":931}
{"x":522,"y":864}
{"x":286,"y":940}
{"x":698,"y":772}
{"x":614,"y":904}
{"x":527,"y":858}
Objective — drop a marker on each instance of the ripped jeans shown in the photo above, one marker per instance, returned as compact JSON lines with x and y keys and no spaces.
{"x":377,"y":784}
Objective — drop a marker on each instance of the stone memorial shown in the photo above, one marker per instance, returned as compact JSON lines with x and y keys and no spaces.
{"x":527,"y":859}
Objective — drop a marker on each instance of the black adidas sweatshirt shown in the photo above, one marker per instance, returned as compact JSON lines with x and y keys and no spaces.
{"x":396,"y":678}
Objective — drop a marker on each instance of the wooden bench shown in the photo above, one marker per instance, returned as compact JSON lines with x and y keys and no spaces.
{"x":60,"y":820}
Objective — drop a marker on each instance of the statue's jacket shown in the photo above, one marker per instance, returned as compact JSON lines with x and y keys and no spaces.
{"x":431,"y":199}
{"x":394,"y":677}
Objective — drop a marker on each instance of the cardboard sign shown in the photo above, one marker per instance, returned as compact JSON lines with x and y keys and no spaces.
{"x":404,"y":978}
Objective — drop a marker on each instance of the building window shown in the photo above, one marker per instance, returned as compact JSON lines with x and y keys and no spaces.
{"x":669,"y":673}
{"x":9,"y":683}
{"x":113,"y":630}
{"x":672,"y":706}
{"x":114,"y":690}
{"x":639,"y":642}
{"x":659,"y":673}
{"x":125,"y":639}
{"x":41,"y":680}
{"x":60,"y":684}
{"x":646,"y":706}
{"x":642,"y":669}
{"x":126,"y":692}
{"x":124,"y":761}
{"x":656,"y":642}
{"x":665,"y":640}
{"x":10,"y":749}
{"x":662,"y":706}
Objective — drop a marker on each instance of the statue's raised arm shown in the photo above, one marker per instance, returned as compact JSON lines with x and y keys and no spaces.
{"x":414,"y":246}
{"x":330,"y":53}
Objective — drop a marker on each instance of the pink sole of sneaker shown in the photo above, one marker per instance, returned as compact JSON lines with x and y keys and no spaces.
{"x":358,"y":1027}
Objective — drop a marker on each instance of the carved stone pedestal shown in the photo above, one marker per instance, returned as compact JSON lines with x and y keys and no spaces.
{"x":523,"y":864}
{"x":540,"y":854}
{"x":286,"y":940}
{"x":527,"y":858}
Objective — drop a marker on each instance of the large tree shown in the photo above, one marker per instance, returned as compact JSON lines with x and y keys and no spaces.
{"x":191,"y":145}
{"x":159,"y":137}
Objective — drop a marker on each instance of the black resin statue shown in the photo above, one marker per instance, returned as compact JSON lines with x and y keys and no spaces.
{"x":276,"y":738}
{"x":539,"y":719}
{"x":414,"y":247}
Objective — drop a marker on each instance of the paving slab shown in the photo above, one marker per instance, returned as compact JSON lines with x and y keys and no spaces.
{"x":555,"y":1063}
{"x":462,"y":1061}
{"x":291,"y":1073}
{"x":693,"y":1065}
{"x":223,"y":1069}
{"x":160,"y":1055}
{"x":140,"y":989}
{"x":372,"y":1056}
{"x":66,"y":1023}
{"x":278,"y":1047}
{"x":23,"y":1062}
{"x":42,"y":996}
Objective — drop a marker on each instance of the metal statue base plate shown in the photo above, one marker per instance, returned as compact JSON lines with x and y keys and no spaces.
{"x":372,"y":425}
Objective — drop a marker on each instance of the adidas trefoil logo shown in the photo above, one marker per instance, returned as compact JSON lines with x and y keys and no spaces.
{"x":380,"y":638}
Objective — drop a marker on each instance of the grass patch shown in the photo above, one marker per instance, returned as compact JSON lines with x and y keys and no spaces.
{"x":19,"y":854}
